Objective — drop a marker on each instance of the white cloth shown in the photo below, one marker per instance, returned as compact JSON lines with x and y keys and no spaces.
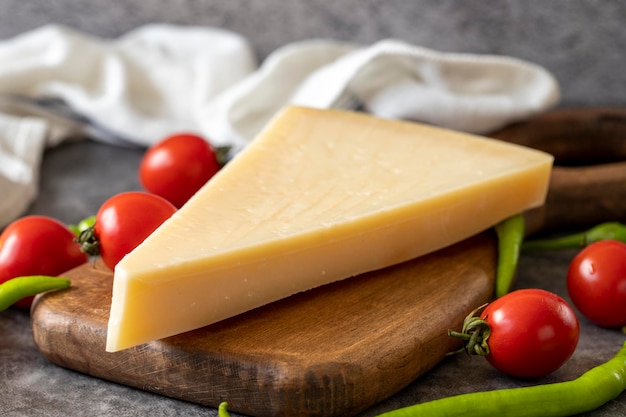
{"x":21,"y":142}
{"x":56,"y":83}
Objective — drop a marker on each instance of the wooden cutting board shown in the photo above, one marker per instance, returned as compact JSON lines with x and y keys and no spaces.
{"x":339,"y":349}
{"x":588,"y":183}
{"x":332,"y":351}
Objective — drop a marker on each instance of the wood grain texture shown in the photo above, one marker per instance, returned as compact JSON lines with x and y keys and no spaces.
{"x":582,"y":197}
{"x":332,"y":351}
{"x":575,"y":136}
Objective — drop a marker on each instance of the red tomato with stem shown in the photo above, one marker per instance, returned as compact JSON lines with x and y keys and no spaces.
{"x":177,"y":167}
{"x":125,"y":220}
{"x":596,"y":282}
{"x":37,"y":245}
{"x":533,"y":332}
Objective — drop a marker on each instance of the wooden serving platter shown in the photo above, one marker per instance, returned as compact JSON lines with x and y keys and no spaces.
{"x":332,"y":351}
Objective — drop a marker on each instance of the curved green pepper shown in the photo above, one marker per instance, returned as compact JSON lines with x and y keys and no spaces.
{"x":83,"y":225}
{"x":591,"y":390}
{"x":15,"y":289}
{"x":603,"y":231}
{"x":510,"y":238}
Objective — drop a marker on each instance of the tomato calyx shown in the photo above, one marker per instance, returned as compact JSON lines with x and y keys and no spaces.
{"x":86,"y":236}
{"x":88,"y":241}
{"x":475,"y":333}
{"x":222,"y":154}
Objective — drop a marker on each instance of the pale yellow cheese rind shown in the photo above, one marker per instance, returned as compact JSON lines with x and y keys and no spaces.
{"x":318,"y":196}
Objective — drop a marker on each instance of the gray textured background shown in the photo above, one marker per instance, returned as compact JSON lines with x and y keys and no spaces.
{"x":580,"y":41}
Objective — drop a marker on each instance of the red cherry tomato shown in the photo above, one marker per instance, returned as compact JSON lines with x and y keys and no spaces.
{"x":125,"y":220}
{"x":37,"y":245}
{"x":596,"y":282}
{"x":177,"y":167}
{"x":533,"y":332}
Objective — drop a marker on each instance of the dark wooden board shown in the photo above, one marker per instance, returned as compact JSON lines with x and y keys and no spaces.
{"x":332,"y":351}
{"x":588,"y":182}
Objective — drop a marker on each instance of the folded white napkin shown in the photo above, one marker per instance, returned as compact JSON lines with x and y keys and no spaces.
{"x":57,"y":83}
{"x":21,"y":142}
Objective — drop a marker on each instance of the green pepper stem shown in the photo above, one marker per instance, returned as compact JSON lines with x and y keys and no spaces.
{"x":222,"y":411}
{"x":603,"y":231}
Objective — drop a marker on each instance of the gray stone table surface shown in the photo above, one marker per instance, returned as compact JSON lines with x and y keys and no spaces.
{"x":580,"y":41}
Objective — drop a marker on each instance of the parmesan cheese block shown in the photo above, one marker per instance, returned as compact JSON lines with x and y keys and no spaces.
{"x":318,"y":196}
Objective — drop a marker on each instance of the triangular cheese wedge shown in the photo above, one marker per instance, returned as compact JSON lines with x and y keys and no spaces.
{"x":318,"y":196}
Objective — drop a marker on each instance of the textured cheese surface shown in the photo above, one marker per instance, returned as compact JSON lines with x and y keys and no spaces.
{"x":319,"y":196}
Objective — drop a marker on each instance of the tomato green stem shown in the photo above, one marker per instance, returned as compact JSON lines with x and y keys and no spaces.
{"x":588,"y":392}
{"x":475,"y":333}
{"x":17,"y":288}
{"x":221,"y":410}
{"x":222,"y":154}
{"x":510,"y":238}
{"x":88,"y":241}
{"x":603,"y":231}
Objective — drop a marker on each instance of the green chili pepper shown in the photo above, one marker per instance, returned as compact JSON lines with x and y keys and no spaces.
{"x":221,"y":410}
{"x":603,"y":231}
{"x":82,"y":225}
{"x":591,"y":390}
{"x":15,"y":289}
{"x":510,"y":237}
